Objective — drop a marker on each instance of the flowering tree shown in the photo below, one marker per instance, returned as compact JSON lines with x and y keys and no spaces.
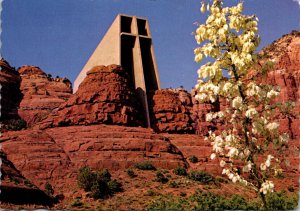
{"x":230,"y":39}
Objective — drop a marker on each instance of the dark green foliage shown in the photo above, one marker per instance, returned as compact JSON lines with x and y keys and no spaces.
{"x":114,"y":186}
{"x":15,"y":180}
{"x":201,"y":176}
{"x":49,"y":189}
{"x":104,"y":175}
{"x":160,"y":177}
{"x":167,"y":203}
{"x":181,"y":171}
{"x":151,"y":192}
{"x":98,"y":183}
{"x":100,"y":189}
{"x":207,"y":201}
{"x":49,"y":75}
{"x":183,"y":194}
{"x":236,"y":202}
{"x":201,"y":200}
{"x":146,"y":165}
{"x":173,"y":184}
{"x":16,"y":124}
{"x":76,"y":203}
{"x":131,"y":173}
{"x":86,"y":178}
{"x":193,"y":159}
{"x":281,"y":201}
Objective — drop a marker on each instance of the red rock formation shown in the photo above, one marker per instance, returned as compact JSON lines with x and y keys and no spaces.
{"x":285,"y":53}
{"x":105,"y":96}
{"x":16,"y":189}
{"x":171,"y":111}
{"x":56,"y":154}
{"x":42,"y":94}
{"x":10,"y":91}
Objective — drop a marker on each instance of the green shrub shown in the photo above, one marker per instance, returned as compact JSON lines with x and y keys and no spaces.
{"x":193,"y":159}
{"x":183,"y":194}
{"x":173,"y":184}
{"x":49,"y":189}
{"x":236,"y":202}
{"x":98,"y":183}
{"x":76,"y":203}
{"x":181,"y":171}
{"x":86,"y":178}
{"x":151,"y":193}
{"x":16,"y":124}
{"x":100,"y":189}
{"x":281,"y":201}
{"x":201,"y":176}
{"x":104,"y":175}
{"x":160,"y":177}
{"x":146,"y":165}
{"x":207,"y":201}
{"x":114,"y":186}
{"x":131,"y":173}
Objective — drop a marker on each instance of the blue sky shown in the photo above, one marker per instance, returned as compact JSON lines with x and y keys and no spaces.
{"x":60,"y":35}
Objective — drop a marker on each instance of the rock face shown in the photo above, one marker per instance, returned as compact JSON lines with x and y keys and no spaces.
{"x":14,"y":184}
{"x":171,"y":111}
{"x":105,"y":96}
{"x":41,"y":94}
{"x":56,"y":154}
{"x":10,"y":91}
{"x":285,"y":53}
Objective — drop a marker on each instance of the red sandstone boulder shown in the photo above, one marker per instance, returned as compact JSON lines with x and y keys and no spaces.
{"x":105,"y":96}
{"x":41,"y":94}
{"x":171,"y":111}
{"x":10,"y":91}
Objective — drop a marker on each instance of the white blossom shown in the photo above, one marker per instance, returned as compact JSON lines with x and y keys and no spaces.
{"x":266,"y":187}
{"x":213,"y":156}
{"x":250,"y":113}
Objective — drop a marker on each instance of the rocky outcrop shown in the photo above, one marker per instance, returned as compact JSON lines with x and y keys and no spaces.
{"x":13,"y":184}
{"x":56,"y":154}
{"x":41,"y":94}
{"x":105,"y":96}
{"x":10,"y":91}
{"x":285,"y":54}
{"x":171,"y":111}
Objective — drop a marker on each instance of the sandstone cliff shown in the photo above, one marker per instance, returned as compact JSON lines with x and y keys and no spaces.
{"x":171,"y":111}
{"x":41,"y":94}
{"x":105,"y":96}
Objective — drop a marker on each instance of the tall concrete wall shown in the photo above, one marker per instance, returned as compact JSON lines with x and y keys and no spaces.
{"x":106,"y":53}
{"x":128,"y":43}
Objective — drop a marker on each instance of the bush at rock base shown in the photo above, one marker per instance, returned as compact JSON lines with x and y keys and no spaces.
{"x":15,"y":124}
{"x":131,"y":173}
{"x":193,"y":159}
{"x":201,"y":176}
{"x":146,"y":165}
{"x":98,"y":183}
{"x":160,"y":177}
{"x":180,"y":171}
